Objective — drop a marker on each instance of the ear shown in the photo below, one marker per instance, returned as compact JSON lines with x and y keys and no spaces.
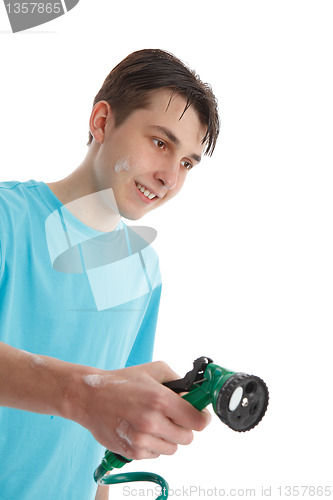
{"x":101,"y":114}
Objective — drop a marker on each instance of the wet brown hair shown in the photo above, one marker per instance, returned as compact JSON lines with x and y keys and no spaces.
{"x":128,"y":87}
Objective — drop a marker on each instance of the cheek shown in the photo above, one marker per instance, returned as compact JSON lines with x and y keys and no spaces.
{"x":180,"y":181}
{"x":123,"y":165}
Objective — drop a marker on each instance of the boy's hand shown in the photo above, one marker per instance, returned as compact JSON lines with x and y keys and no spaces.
{"x":130,"y":412}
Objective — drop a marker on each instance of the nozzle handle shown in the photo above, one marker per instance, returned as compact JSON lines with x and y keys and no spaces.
{"x":194,"y":376}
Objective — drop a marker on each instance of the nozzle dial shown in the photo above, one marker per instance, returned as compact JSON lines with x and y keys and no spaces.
{"x":242,"y":401}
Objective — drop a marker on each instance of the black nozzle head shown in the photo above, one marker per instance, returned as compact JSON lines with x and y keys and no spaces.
{"x":242,"y":401}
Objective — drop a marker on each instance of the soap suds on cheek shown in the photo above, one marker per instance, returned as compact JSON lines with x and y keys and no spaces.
{"x":122,"y":165}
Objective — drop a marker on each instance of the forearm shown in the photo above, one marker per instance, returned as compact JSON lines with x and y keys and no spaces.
{"x":102,"y":493}
{"x":39,"y":383}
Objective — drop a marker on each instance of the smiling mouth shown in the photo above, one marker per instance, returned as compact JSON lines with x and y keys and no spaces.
{"x":148,"y":194}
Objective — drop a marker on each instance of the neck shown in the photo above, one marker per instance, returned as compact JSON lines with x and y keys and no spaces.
{"x":79,"y":193}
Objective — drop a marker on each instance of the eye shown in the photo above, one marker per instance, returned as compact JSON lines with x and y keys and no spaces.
{"x":159,"y":144}
{"x":187,"y":164}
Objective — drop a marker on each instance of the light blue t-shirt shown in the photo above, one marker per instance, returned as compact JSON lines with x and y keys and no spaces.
{"x":75,"y":294}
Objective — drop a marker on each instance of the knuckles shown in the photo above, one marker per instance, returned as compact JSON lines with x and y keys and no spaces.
{"x":202,"y":423}
{"x":189,"y":438}
{"x":172,"y":449}
{"x":139,"y":454}
{"x":138,"y":441}
{"x":161,"y":368}
{"x":158,"y":402}
{"x":147,"y":424}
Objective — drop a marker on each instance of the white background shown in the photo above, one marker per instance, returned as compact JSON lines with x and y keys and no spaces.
{"x":246,"y":248}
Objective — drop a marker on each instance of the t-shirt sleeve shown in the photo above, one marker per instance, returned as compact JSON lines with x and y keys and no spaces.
{"x":142,"y":350}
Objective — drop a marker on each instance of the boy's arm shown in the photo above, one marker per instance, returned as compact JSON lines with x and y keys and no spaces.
{"x":128,"y":411}
{"x":102,"y":493}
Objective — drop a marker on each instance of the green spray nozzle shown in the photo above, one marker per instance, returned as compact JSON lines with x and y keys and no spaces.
{"x":238,"y":399}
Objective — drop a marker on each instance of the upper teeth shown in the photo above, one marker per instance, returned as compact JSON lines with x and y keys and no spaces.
{"x":145,"y":191}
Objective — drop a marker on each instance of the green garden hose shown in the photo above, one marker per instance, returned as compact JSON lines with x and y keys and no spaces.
{"x":138,"y":476}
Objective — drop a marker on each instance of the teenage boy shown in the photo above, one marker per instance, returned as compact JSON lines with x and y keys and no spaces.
{"x":77,"y":323}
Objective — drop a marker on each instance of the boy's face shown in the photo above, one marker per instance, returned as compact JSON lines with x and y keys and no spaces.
{"x":151,"y":151}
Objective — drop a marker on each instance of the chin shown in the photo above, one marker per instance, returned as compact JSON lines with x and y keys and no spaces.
{"x":130,"y":215}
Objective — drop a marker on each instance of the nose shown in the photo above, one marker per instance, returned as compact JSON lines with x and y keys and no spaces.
{"x":168,"y":175}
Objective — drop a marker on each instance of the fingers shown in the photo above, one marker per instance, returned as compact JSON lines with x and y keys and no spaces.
{"x":180,"y":411}
{"x":144,"y":446}
{"x":161,"y":427}
{"x":163,"y":437}
{"x":183,"y":413}
{"x":137,"y":444}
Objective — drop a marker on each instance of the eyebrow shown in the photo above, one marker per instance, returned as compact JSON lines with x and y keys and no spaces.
{"x":171,"y":136}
